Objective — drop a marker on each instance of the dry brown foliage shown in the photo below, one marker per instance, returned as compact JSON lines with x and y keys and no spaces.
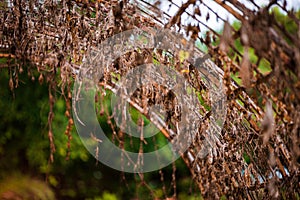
{"x":263,"y":115}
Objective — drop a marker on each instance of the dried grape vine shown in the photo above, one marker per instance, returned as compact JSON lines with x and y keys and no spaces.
{"x":263,"y":111}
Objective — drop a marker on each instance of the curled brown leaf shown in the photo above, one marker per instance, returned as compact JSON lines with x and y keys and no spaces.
{"x":268,"y":123}
{"x":245,"y":70}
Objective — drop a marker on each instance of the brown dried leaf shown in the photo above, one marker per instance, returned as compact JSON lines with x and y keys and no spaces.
{"x":268,"y":123}
{"x":11,"y":84}
{"x":247,"y":177}
{"x":245,"y":70}
{"x":245,"y":30}
{"x":226,"y":38}
{"x":41,"y":78}
{"x":197,"y":11}
{"x":207,"y":17}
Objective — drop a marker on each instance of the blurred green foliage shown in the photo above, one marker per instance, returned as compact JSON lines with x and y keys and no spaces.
{"x":24,"y":145}
{"x":24,"y":150}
